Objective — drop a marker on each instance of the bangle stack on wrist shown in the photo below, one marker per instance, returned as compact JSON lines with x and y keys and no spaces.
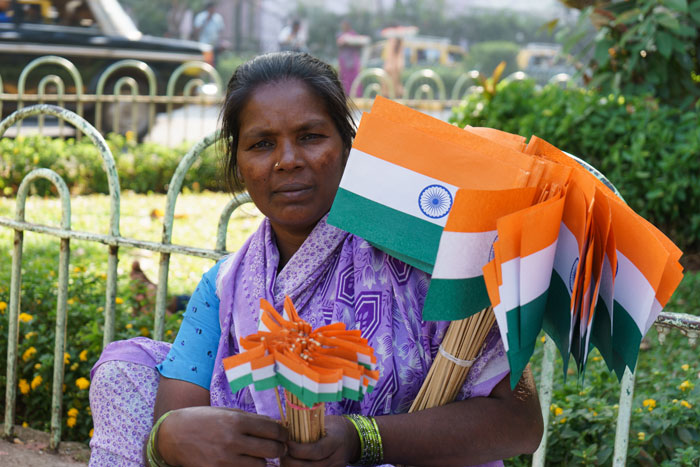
{"x":153,"y":458}
{"x":371,"y":450}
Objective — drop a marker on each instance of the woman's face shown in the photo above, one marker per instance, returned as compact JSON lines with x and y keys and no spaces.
{"x":290,"y":155}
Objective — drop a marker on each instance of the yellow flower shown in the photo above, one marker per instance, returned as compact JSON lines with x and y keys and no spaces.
{"x":100,"y":309}
{"x":30,"y":334}
{"x":29,"y":353}
{"x":74,"y":366}
{"x":543,"y":339}
{"x":558,"y":411}
{"x":686,"y":404}
{"x":77,"y":269}
{"x":66,"y":358}
{"x":72,"y":412}
{"x":89,"y":410}
{"x":25,"y":424}
{"x":82,"y":383}
{"x":37,"y":381}
{"x":641,"y":436}
{"x":686,"y":385}
{"x":38,"y":301}
{"x":25,"y":317}
{"x":563,"y":420}
{"x":685,"y":367}
{"x":144,"y":331}
{"x":595,"y":414}
{"x":83,"y":356}
{"x":649,"y":403}
{"x":675,"y":401}
{"x":92,"y":432}
{"x":597,"y":358}
{"x":118,"y":300}
{"x":23,"y":386}
{"x":129,"y":136}
{"x":169,"y":332}
{"x":37,"y":366}
{"x":71,"y":421}
{"x":71,"y":301}
{"x":3,"y":306}
{"x":129,"y":325}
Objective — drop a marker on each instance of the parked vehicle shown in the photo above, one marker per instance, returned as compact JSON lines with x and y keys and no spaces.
{"x":425,"y":51}
{"x":92,"y":35}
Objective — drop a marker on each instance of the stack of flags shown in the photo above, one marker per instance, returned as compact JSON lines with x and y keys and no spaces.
{"x":322,"y":365}
{"x":519,"y":225}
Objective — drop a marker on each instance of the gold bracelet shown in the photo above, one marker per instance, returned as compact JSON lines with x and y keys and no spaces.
{"x":153,"y":457}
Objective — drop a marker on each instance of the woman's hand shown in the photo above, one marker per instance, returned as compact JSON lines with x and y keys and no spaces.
{"x":339,"y":447}
{"x":214,"y":436}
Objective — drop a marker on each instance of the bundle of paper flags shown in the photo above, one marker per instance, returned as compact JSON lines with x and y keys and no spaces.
{"x":519,"y":225}
{"x":322,"y":365}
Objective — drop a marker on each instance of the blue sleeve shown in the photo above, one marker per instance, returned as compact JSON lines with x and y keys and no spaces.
{"x":191,"y":357}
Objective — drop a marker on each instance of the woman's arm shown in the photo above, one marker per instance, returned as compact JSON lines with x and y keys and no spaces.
{"x":474,"y":431}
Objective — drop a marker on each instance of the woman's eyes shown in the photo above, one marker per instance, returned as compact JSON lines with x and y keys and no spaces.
{"x":261,"y":145}
{"x":312,"y":136}
{"x":265,"y":144}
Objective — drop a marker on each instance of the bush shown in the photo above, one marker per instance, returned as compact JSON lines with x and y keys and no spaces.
{"x":649,"y":151}
{"x":142,"y":168}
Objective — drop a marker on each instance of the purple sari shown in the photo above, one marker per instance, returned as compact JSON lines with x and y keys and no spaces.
{"x":333,"y":277}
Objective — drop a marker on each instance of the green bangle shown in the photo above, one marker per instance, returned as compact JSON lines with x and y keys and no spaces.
{"x":153,"y":457}
{"x":371,"y":449}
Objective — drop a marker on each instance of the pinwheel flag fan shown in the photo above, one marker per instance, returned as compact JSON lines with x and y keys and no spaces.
{"x":517,"y":225}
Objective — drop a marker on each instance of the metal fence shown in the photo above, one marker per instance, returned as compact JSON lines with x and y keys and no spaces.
{"x":687,"y":324}
{"x":126,"y":95}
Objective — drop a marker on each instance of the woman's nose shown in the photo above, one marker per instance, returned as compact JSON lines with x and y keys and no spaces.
{"x":289,"y":157}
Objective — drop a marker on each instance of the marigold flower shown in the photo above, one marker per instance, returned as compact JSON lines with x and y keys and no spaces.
{"x":25,"y":317}
{"x":685,"y":367}
{"x":641,"y":436}
{"x":558,"y":411}
{"x":83,"y":356}
{"x":29,"y":353}
{"x":129,"y":325}
{"x":686,"y":386}
{"x":543,"y":339}
{"x":37,"y":381}
{"x":74,"y":366}
{"x":30,"y":334}
{"x":92,"y":432}
{"x":144,"y":331}
{"x":37,"y":366}
{"x":71,"y":301}
{"x":77,"y":269}
{"x":71,"y":421}
{"x":686,"y":404}
{"x":66,"y":358}
{"x":23,"y":386}
{"x":82,"y":383}
{"x":649,"y":403}
{"x":118,"y":300}
{"x":3,"y":306}
{"x":563,"y":420}
{"x":72,"y":412}
{"x":25,"y":424}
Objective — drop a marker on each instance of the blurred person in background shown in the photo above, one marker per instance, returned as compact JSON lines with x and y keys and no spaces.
{"x":208,"y":26}
{"x":179,"y":19}
{"x":292,"y":38}
{"x":350,"y":45}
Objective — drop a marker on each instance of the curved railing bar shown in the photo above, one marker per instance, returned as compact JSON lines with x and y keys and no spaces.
{"x":377,"y":73}
{"x":114,"y":193}
{"x":133,"y":86}
{"x":237,"y":200}
{"x":61,"y":306}
{"x":102,"y":81}
{"x":426,"y":74}
{"x":60,"y":91}
{"x":463,"y":79}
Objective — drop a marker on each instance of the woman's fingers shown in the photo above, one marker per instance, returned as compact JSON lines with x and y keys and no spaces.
{"x":260,"y":447}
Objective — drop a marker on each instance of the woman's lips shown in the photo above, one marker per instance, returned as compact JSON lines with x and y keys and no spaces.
{"x":293,"y":191}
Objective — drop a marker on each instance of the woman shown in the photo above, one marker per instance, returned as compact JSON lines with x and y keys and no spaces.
{"x":289,"y":132}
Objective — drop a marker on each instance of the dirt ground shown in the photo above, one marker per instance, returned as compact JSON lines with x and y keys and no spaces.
{"x":29,"y":448}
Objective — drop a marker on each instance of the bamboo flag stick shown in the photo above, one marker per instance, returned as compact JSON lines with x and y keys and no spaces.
{"x":306,"y":424}
{"x":463,"y":342}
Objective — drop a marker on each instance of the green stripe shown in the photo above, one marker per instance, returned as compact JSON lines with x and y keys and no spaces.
{"x":601,"y":336}
{"x":453,"y":299}
{"x":626,"y":339}
{"x":239,"y":383}
{"x":518,"y":360}
{"x":267,"y":383}
{"x":388,"y":229}
{"x":531,"y":318}
{"x":557,"y":316}
{"x":351,"y":394}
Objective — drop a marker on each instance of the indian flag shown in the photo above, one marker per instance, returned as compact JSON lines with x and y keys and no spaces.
{"x":457,"y":289}
{"x":399,"y":186}
{"x":264,"y":372}
{"x":239,"y":370}
{"x":641,"y":260}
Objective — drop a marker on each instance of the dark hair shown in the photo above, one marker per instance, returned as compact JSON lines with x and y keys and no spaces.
{"x":277,"y":67}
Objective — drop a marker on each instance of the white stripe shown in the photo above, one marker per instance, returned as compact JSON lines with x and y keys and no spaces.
{"x":292,"y":376}
{"x":264,"y":373}
{"x":238,"y":371}
{"x":509,"y":294}
{"x":606,"y":290}
{"x":566,"y":255}
{"x":462,"y":255}
{"x":655,"y":310}
{"x":389,"y":184}
{"x":351,"y":383}
{"x":633,"y":292}
{"x":536,"y":273}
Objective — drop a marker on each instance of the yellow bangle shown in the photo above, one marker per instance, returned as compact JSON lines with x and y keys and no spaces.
{"x":153,"y":457}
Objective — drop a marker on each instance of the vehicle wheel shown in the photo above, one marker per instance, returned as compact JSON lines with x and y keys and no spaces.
{"x":123,"y":110}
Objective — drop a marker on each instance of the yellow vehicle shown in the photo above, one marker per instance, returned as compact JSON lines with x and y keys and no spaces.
{"x":420,"y":51}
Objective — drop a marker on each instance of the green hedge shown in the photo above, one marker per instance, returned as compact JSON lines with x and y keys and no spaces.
{"x":649,"y":151}
{"x":142,"y":168}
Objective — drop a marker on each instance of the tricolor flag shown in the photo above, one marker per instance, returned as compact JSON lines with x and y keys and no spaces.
{"x":457,"y":289}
